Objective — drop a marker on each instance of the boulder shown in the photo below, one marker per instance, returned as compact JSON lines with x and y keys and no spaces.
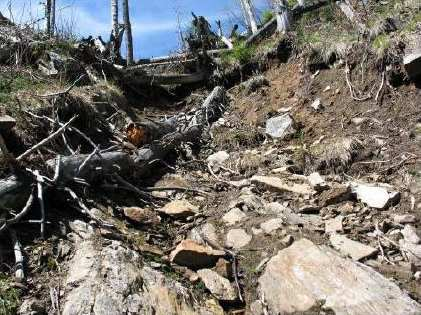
{"x":356,"y":250}
{"x":195,"y":256}
{"x":233,"y":216}
{"x":237,"y":238}
{"x":281,"y":127}
{"x":304,"y":275}
{"x":279,"y":185}
{"x":375,"y":196}
{"x":179,"y":209}
{"x":219,"y":286}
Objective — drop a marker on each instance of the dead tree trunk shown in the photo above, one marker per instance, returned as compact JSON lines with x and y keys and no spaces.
{"x":53,"y":18}
{"x":249,"y":14}
{"x":114,"y":40}
{"x":48,"y":17}
{"x":223,"y":39}
{"x":283,"y":17}
{"x":128,"y":29}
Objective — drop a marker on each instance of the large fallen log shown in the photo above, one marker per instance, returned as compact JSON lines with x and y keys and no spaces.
{"x":179,"y":130}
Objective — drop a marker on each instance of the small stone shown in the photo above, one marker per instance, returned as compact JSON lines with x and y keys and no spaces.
{"x":335,"y":195}
{"x":219,"y":286}
{"x":192,"y":255}
{"x":237,"y":238}
{"x":281,"y":127}
{"x":179,"y":209}
{"x":317,"y":182}
{"x":404,"y":219}
{"x":233,"y":216}
{"x":317,"y":105}
{"x":417,"y":275}
{"x":356,"y":250}
{"x":279,"y":185}
{"x":287,"y":240}
{"x":327,"y":88}
{"x":141,"y":216}
{"x":410,"y":234}
{"x":272,"y":225}
{"x":334,"y":225}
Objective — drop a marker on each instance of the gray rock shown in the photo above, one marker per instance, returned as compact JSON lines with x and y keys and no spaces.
{"x":304,"y":275}
{"x":248,"y":202}
{"x":281,"y":127}
{"x":253,"y":84}
{"x":317,"y":182}
{"x":279,"y":185}
{"x":334,"y":225}
{"x":217,"y":159}
{"x":404,"y":218}
{"x":317,"y":105}
{"x":237,"y":238}
{"x":204,"y":233}
{"x":272,"y":225}
{"x":233,"y":216}
{"x":412,"y":57}
{"x":356,"y":250}
{"x":219,"y":286}
{"x":32,"y":307}
{"x":375,"y":196}
{"x":410,"y":234}
{"x":287,"y":240}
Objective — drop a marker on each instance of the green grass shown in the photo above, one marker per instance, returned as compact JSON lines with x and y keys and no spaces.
{"x":13,"y":82}
{"x":9,"y":297}
{"x":381,"y":44}
{"x":240,"y":54}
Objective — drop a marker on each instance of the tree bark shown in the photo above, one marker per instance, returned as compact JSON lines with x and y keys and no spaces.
{"x":128,"y":29}
{"x":283,"y":17}
{"x":48,"y":17}
{"x":115,"y":45}
{"x":248,"y":10}
{"x":53,"y":18}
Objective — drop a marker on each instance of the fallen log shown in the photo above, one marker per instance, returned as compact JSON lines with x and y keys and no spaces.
{"x":189,"y":130}
{"x":166,"y":79}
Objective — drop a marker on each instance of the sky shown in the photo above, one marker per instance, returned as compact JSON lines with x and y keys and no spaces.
{"x":154,"y":22}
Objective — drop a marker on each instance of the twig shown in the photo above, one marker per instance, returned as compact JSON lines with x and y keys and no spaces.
{"x":381,"y":87}
{"x":85,"y":162}
{"x":46,"y":140}
{"x":131,"y":186}
{"x":17,"y":248}
{"x":65,"y":91}
{"x":19,"y":216}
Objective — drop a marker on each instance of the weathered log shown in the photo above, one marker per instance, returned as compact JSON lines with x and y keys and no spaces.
{"x":166,"y":79}
{"x":142,"y":160}
{"x":13,"y":191}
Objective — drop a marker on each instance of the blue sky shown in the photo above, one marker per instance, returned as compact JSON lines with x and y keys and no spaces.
{"x":154,"y":22}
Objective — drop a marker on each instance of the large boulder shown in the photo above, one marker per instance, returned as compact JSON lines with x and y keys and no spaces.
{"x":305,"y":275}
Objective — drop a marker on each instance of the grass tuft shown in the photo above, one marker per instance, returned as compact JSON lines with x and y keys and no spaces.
{"x":9,"y":297}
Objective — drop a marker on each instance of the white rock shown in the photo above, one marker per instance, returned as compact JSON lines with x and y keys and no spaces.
{"x":287,"y":240}
{"x":353,"y":249}
{"x":334,"y":225}
{"x":237,"y":238}
{"x":217,"y":159}
{"x":410,"y":234}
{"x":404,"y":218}
{"x":317,"y":182}
{"x":281,"y":127}
{"x":375,"y":197}
{"x":219,"y":286}
{"x":272,"y":225}
{"x":302,"y":275}
{"x":278,"y":184}
{"x":233,"y":216}
{"x":179,"y":209}
{"x":317,"y":105}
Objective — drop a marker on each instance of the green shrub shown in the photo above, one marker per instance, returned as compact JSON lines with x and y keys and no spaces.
{"x":267,"y":16}
{"x":239,"y":54}
{"x":9,"y":297}
{"x":381,"y":44}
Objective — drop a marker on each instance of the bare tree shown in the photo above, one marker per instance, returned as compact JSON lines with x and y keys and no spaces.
{"x":248,"y":9}
{"x":48,"y":17}
{"x":128,"y":29}
{"x":282,"y":15}
{"x":115,"y":45}
{"x":53,"y":17}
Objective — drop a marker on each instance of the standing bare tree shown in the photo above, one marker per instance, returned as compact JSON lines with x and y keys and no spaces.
{"x":282,"y":15}
{"x":48,"y":17}
{"x":248,"y":9}
{"x":53,"y":18}
{"x":114,"y":40}
{"x":128,"y":29}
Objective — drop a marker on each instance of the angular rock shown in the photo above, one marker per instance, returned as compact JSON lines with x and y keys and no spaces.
{"x":404,"y":218}
{"x":334,"y":225}
{"x":412,"y":251}
{"x":179,"y":209}
{"x":356,"y":250}
{"x":317,"y":182}
{"x":304,"y":275}
{"x":237,"y":238}
{"x":248,"y":202}
{"x":141,"y":216}
{"x":217,"y":159}
{"x":204,"y":233}
{"x":224,"y":268}
{"x":253,"y":84}
{"x":410,"y":234}
{"x":281,"y":127}
{"x":279,"y":185}
{"x":272,"y":225}
{"x":219,"y":286}
{"x":192,"y":255}
{"x":375,"y":196}
{"x":335,"y":195}
{"x":233,"y":216}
